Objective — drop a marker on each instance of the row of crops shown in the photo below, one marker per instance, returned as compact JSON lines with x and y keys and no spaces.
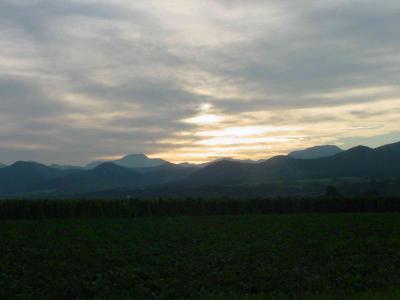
{"x":36,"y":209}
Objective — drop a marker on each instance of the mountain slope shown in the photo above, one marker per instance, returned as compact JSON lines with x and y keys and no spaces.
{"x":390,"y":149}
{"x":139,"y":161}
{"x":316,"y":152}
{"x":28,"y":178}
{"x":359,"y":161}
{"x":109,"y":175}
{"x":2,"y":165}
{"x":223,"y":172}
{"x":23,"y":176}
{"x":103,"y":177}
{"x":132,"y":161}
{"x":65,"y":167}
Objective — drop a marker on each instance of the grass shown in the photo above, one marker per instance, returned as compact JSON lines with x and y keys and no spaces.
{"x":314,"y":256}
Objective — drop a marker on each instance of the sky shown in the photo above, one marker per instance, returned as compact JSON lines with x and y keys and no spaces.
{"x":195,"y":80}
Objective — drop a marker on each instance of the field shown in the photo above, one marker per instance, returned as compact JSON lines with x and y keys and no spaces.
{"x":213,"y":257}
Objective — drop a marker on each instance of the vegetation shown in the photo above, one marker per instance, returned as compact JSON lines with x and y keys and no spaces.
{"x":313,"y":256}
{"x":128,"y":208}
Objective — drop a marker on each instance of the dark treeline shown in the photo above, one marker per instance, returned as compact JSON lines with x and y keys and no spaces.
{"x":129,"y":208}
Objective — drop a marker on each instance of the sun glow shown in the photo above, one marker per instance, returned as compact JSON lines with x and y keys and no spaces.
{"x":204,"y":119}
{"x":245,"y":131}
{"x":238,"y":141}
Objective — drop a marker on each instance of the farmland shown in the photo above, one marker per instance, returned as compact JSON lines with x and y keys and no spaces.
{"x":201,"y":257}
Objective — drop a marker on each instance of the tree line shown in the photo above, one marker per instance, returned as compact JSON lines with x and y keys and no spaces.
{"x":131,"y":208}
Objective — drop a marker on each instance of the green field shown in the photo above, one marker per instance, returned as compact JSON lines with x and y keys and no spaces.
{"x":215,"y":257}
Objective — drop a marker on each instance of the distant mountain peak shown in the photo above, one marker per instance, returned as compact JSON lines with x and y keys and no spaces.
{"x":135,"y":160}
{"x":106,"y":165}
{"x":357,"y":150}
{"x":22,"y":163}
{"x":361,"y":148}
{"x":393,"y":148}
{"x":65,"y":167}
{"x":136,"y":155}
{"x":316,"y":152}
{"x":110,"y":167}
{"x":228,"y":159}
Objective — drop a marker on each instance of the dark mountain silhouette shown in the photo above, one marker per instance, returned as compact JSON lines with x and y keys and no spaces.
{"x":139,"y":161}
{"x":103,"y":177}
{"x":65,"y":167}
{"x":132,"y":161}
{"x":23,"y":176}
{"x":359,"y":161}
{"x":188,"y":165}
{"x":167,"y":172}
{"x":109,"y":175}
{"x":272,"y":175}
{"x":316,"y":152}
{"x":229,"y":159}
{"x":222,"y":172}
{"x":390,"y":149}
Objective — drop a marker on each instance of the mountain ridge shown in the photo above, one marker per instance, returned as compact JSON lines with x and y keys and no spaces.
{"x":316,"y":152}
{"x":132,"y":161}
{"x":27,"y":178}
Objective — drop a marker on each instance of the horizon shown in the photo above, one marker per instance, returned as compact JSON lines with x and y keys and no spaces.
{"x":119,"y":157}
{"x":191,"y":81}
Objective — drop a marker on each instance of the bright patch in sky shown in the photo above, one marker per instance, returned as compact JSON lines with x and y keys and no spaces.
{"x":204,"y":119}
{"x":245,"y":131}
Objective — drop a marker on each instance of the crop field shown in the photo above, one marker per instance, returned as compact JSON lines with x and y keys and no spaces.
{"x":213,"y":257}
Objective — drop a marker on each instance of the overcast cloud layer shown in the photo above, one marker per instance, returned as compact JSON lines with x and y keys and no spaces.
{"x":194,"y":80}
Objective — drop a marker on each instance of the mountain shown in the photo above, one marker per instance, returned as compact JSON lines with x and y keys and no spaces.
{"x":104,"y":176}
{"x":390,"y":149}
{"x":221,"y":172}
{"x":139,"y":161}
{"x":23,"y":176}
{"x":65,"y":167}
{"x":188,"y":165}
{"x":316,"y":152}
{"x":94,"y":164}
{"x":132,"y":161}
{"x":279,"y":175}
{"x":110,"y":176}
{"x":229,"y":159}
{"x":359,"y":161}
{"x":2,"y":165}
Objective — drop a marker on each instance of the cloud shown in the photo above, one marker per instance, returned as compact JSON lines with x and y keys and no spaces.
{"x":94,"y":78}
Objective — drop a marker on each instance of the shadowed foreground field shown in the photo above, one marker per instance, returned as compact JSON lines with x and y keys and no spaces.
{"x":217,"y":257}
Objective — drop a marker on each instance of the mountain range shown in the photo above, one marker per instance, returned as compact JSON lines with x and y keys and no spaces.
{"x":300,"y":174}
{"x":316,"y":152}
{"x":132,"y":161}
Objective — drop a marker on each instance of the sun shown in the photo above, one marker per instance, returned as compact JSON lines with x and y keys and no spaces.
{"x":206,"y":119}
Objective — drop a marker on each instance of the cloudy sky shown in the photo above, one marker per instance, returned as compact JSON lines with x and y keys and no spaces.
{"x":191,"y":80}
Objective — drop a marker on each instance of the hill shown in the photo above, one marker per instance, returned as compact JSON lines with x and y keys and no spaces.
{"x":316,"y":152}
{"x":110,"y":176}
{"x":132,"y":161}
{"x":103,"y":177}
{"x":359,"y":161}
{"x":65,"y":167}
{"x":22,"y":177}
